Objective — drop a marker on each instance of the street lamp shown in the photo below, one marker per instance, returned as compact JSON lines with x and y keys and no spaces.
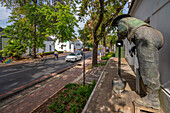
{"x":119,"y":84}
{"x":84,"y":55}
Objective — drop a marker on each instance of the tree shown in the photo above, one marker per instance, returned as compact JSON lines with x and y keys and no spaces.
{"x":32,"y":23}
{"x":101,"y":15}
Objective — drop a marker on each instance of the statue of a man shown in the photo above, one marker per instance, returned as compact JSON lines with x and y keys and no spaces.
{"x":147,"y":41}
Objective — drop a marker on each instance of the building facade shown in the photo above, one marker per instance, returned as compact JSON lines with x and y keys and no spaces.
{"x":66,"y":46}
{"x":2,"y":40}
{"x":49,"y":46}
{"x":156,"y":13}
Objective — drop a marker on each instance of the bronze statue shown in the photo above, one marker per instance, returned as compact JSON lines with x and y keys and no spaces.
{"x":147,"y":41}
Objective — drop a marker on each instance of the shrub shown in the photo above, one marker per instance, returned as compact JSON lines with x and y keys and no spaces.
{"x":109,"y":56}
{"x":113,"y":55}
{"x":51,"y":52}
{"x":104,"y":58}
{"x":111,"y":52}
{"x":72,"y":99}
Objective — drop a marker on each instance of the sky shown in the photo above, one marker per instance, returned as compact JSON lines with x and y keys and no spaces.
{"x":5,"y":13}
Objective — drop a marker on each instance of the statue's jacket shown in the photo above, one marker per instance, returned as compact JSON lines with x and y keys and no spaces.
{"x":128,"y":26}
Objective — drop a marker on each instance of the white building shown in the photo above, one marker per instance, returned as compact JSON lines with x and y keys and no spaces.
{"x":157,"y":14}
{"x":49,"y":46}
{"x":67,"y":46}
{"x":2,"y":40}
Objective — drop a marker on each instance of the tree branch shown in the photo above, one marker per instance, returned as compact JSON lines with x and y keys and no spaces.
{"x":100,"y":17}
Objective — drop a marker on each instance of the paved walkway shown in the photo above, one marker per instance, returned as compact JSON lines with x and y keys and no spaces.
{"x":103,"y":99}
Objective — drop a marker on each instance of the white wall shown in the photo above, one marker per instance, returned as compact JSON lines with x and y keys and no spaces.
{"x":67,"y":46}
{"x":47,"y":47}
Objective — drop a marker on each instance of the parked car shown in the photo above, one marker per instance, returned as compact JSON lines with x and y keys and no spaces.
{"x":73,"y":57}
{"x":79,"y":51}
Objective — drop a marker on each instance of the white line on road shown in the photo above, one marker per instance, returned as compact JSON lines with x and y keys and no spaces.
{"x":15,"y":72}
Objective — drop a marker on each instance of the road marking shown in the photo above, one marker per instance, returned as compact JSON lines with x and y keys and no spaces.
{"x":15,"y":72}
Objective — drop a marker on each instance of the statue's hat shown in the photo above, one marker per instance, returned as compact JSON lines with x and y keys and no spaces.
{"x":115,"y":21}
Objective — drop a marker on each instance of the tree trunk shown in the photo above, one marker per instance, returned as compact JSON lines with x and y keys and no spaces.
{"x":111,"y":45}
{"x":95,"y":49}
{"x":33,"y":51}
{"x":104,"y":44}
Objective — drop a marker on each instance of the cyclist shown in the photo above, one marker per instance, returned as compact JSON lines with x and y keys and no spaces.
{"x":56,"y":54}
{"x":42,"y":56}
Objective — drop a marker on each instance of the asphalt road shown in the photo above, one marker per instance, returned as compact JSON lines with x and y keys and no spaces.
{"x":16,"y":76}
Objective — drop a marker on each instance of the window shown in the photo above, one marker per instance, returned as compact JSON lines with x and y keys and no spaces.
{"x":63,"y":46}
{"x":50,"y":47}
{"x":69,"y":46}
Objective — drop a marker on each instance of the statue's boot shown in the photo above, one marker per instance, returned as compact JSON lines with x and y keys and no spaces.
{"x":151,"y":100}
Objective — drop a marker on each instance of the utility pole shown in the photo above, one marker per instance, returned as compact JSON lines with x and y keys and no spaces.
{"x":84,"y":60}
{"x":100,"y":50}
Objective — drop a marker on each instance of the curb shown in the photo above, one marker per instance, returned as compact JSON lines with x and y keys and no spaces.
{"x":86,"y":106}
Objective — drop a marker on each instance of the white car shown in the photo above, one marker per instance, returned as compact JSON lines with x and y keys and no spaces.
{"x":73,"y":57}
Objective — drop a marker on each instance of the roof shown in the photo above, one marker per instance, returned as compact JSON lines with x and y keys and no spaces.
{"x":1,"y":29}
{"x":49,"y":39}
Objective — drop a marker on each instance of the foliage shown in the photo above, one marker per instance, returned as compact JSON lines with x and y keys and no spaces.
{"x":15,"y":48}
{"x":32,"y":23}
{"x":72,"y":99}
{"x":104,"y":58}
{"x":108,"y":55}
{"x":111,"y":39}
{"x":101,"y":13}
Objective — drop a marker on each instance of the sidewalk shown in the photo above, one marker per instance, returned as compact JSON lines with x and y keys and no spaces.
{"x":104,"y":100}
